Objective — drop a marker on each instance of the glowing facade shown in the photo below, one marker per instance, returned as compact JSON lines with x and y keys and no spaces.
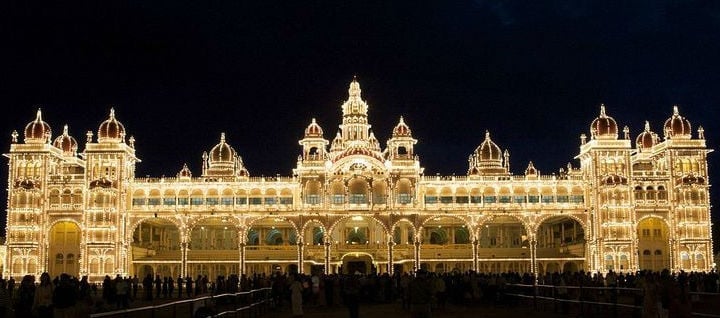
{"x":352,"y":205}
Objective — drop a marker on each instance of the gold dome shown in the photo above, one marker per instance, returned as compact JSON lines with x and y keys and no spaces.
{"x":677,"y":126}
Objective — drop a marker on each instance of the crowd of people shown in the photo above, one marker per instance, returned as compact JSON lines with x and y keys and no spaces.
{"x":419,"y":293}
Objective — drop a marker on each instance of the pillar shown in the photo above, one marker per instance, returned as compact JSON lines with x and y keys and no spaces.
{"x":327,"y":256}
{"x":183,"y":258}
{"x":475,"y":265}
{"x":241,"y":266}
{"x":301,"y":257}
{"x":416,"y":261}
{"x":390,"y":245}
{"x":533,"y":256}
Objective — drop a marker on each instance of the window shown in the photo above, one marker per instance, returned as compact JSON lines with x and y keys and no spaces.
{"x":241,"y":201}
{"x":519,"y":199}
{"x":358,"y":198}
{"x":533,"y":198}
{"x":505,"y":199}
{"x":657,"y":232}
{"x":226,"y":201}
{"x":255,"y":201}
{"x":548,"y":199}
{"x":646,"y":252}
{"x":563,"y":199}
{"x":271,"y":200}
{"x":461,"y":200}
{"x":476,"y":199}
{"x":211,"y":201}
{"x":59,"y":259}
{"x":645,"y":232}
{"x":338,"y":199}
{"x":577,"y":199}
{"x":138,"y":201}
{"x":489,"y":199}
{"x":431,"y":199}
{"x":658,"y":252}
{"x":404,"y":198}
{"x":154,"y":201}
{"x":312,"y":199}
{"x":379,"y":199}
{"x":183,"y":201}
{"x":446,"y":200}
{"x":286,"y":200}
{"x":169,"y":201}
{"x":196,"y":201}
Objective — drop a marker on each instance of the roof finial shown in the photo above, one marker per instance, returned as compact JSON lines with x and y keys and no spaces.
{"x":65,"y":130}
{"x":222,"y":137}
{"x":354,"y":90}
{"x":38,"y":117}
{"x":313,"y":121}
{"x":647,"y":126}
{"x":112,"y":112}
{"x":676,"y":112}
{"x":487,"y":134}
{"x":402,"y":121}
{"x":602,"y":111}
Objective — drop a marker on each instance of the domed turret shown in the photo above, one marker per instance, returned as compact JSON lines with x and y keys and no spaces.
{"x":604,"y":126}
{"x":646,"y":139}
{"x":489,"y":151}
{"x":37,"y":131}
{"x":111,"y":130}
{"x":401,"y":129}
{"x":488,"y":159}
{"x":222,"y":152}
{"x":530,"y":170}
{"x":677,"y":126}
{"x":66,"y":143}
{"x":184,"y":173}
{"x":313,"y":130}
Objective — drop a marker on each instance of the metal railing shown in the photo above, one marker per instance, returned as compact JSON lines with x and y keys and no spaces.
{"x":248,"y":304}
{"x":611,"y":301}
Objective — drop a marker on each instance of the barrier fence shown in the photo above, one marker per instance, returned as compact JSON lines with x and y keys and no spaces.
{"x":250,"y":304}
{"x":602,"y":301}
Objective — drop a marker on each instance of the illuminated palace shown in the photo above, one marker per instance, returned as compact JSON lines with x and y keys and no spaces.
{"x":352,"y":205}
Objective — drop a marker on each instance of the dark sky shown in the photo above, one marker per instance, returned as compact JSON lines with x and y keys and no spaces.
{"x":532,"y":72}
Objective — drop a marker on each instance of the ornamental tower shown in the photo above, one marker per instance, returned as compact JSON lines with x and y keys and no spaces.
{"x":109,"y":173}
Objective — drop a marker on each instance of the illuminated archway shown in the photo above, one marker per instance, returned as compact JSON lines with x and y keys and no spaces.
{"x":64,"y":249}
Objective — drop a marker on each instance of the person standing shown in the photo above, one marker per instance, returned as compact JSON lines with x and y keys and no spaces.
{"x":296,"y":300}
{"x":42,"y":302}
{"x":421,"y":295}
{"x":351,"y":295}
{"x":180,"y":286}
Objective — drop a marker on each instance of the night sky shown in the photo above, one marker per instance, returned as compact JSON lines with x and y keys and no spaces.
{"x":533,"y":73}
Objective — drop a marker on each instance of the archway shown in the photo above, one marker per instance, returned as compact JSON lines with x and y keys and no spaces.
{"x":64,"y":249}
{"x":357,"y":263}
{"x":270,"y":240}
{"x":363,"y":234}
{"x":446,"y":239}
{"x":653,"y":237}
{"x":561,"y":239}
{"x":503,"y":246}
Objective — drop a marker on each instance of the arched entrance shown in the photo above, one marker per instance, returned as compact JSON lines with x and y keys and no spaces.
{"x":64,"y":249}
{"x":359,"y":235}
{"x":502,"y":246}
{"x":357,"y":263}
{"x":446,"y":239}
{"x":213,"y":248}
{"x":653,"y":237}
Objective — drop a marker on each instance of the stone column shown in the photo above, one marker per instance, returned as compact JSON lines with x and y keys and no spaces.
{"x":416,"y":261}
{"x":533,"y":256}
{"x":183,"y":258}
{"x":390,"y":245}
{"x":476,"y":264}
{"x":241,"y":249}
{"x":327,"y":257}
{"x":301,"y":257}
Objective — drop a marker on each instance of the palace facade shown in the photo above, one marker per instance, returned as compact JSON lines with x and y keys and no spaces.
{"x":352,"y":205}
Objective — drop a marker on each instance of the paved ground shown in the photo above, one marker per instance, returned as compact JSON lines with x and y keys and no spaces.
{"x":395,"y":310}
